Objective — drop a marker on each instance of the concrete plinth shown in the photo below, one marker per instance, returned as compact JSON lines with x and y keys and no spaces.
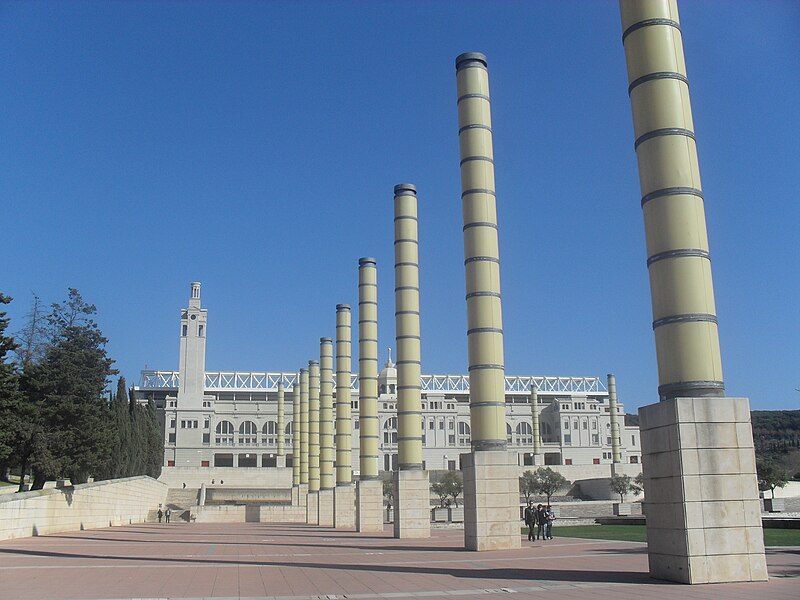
{"x":325,"y":518}
{"x":299,"y":494}
{"x":491,"y":500}
{"x":280,"y":461}
{"x":344,"y":506}
{"x":703,"y":512}
{"x":312,"y":508}
{"x":369,"y":505}
{"x":412,"y":506}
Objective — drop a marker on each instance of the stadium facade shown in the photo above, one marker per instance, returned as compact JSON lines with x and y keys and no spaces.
{"x":230,"y":419}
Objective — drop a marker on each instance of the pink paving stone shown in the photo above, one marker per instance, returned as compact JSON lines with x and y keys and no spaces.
{"x":184,"y":561}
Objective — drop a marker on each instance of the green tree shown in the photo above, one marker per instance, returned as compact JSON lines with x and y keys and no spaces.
{"x":771,"y":475}
{"x":638,"y":483}
{"x":137,"y":449}
{"x":548,"y":482}
{"x":438,"y":488}
{"x":527,"y":485}
{"x":622,"y":485}
{"x":10,"y":397}
{"x":119,"y":463}
{"x":388,"y":492}
{"x":453,"y":485}
{"x":68,"y":388}
{"x":154,"y":441}
{"x":34,"y":337}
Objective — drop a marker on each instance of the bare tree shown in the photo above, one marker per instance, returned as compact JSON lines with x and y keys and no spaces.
{"x":32,"y":340}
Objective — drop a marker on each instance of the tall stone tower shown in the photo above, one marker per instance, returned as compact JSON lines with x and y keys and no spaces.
{"x":188,"y":421}
{"x":193,"y":352}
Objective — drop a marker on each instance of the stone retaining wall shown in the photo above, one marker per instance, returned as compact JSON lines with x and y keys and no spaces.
{"x":85,"y":506}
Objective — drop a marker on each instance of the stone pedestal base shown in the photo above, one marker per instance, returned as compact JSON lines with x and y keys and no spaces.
{"x":325,"y":508}
{"x":703,"y":512}
{"x":280,"y":461}
{"x":491,"y":500}
{"x":312,"y":508}
{"x":344,"y":506}
{"x":369,"y":505}
{"x":299,"y":495}
{"x":412,"y":505}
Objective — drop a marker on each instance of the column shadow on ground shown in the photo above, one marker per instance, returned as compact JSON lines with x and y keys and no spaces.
{"x":504,"y":573}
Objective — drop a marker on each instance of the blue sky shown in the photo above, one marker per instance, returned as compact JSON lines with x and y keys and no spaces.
{"x":254,"y":147}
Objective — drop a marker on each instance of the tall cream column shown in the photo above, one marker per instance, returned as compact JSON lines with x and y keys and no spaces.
{"x":537,"y":433}
{"x":296,"y":440}
{"x":326,"y":455}
{"x":703,"y":514}
{"x":281,"y":453}
{"x":304,"y":427}
{"x":491,"y":492}
{"x":344,"y":495}
{"x":303,"y":437}
{"x":411,"y":487}
{"x":312,"y":512}
{"x":613,"y":413}
{"x":369,"y":490}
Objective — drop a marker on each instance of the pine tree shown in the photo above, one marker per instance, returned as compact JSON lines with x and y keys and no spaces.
{"x":33,"y":339}
{"x":68,"y":389}
{"x":10,"y":397}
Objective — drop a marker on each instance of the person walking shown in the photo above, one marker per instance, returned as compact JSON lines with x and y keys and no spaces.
{"x":167,"y":514}
{"x":530,"y":519}
{"x":160,"y":514}
{"x":550,"y":516}
{"x":541,"y":522}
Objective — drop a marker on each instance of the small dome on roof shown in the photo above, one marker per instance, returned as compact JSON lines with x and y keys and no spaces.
{"x":387,"y":380}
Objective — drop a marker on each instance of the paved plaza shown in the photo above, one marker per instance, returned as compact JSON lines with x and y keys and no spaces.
{"x":257,"y":560}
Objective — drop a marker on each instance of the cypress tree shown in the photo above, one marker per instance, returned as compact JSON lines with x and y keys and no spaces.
{"x":155,"y":441}
{"x":136,"y":448}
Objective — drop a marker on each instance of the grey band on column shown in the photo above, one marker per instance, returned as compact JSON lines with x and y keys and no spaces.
{"x":672,"y":191}
{"x":686,"y":318}
{"x":690,"y":389}
{"x":466,"y":59}
{"x":649,"y":23}
{"x":666,"y":131}
{"x":657,"y":76}
{"x":681,"y":253}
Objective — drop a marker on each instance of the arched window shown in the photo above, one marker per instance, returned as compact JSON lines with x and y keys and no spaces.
{"x":509,"y":438}
{"x":248,"y":433}
{"x":464,"y":434}
{"x":269,"y":433}
{"x":224,"y":432}
{"x":288,"y":430}
{"x":524,"y":434}
{"x":390,"y":431}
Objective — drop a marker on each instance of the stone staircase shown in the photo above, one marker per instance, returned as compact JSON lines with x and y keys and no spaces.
{"x":180,"y":501}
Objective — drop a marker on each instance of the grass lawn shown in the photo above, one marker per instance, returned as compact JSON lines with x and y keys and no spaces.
{"x":636,"y":533}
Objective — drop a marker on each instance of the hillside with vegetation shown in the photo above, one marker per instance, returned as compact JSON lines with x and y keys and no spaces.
{"x":776,"y":435}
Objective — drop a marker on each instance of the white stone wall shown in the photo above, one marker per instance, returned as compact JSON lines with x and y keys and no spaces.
{"x":194,"y":477}
{"x":221,"y":513}
{"x":84,"y":506}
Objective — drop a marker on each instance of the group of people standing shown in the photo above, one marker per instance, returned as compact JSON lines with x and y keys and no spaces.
{"x":542,"y":518}
{"x":165,"y":514}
